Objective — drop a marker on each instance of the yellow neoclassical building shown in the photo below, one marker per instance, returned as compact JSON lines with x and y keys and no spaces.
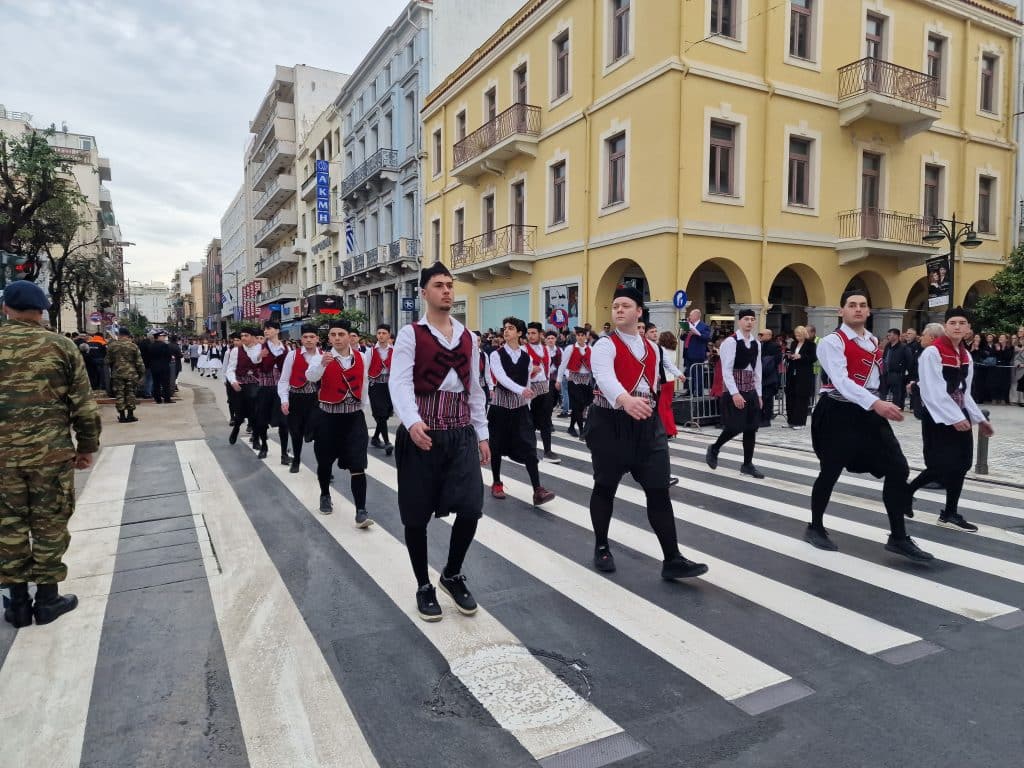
{"x":758,"y":153}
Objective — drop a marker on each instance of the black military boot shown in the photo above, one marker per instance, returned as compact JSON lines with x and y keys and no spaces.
{"x":131,"y":415}
{"x":18,"y":607}
{"x":50,"y":606}
{"x":121,"y":417}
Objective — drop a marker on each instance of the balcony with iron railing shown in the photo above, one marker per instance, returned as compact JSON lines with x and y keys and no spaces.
{"x":381,"y":261}
{"x":496,"y":254}
{"x":880,"y":90}
{"x":382,"y":165}
{"x":282,"y":222}
{"x":867,"y":231}
{"x":281,"y":259}
{"x":515,"y":131}
{"x":278,"y":158}
{"x":278,"y":293}
{"x":308,"y":189}
{"x":276,"y":195}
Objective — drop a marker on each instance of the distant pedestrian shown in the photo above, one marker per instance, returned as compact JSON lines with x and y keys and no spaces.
{"x":126,"y":369}
{"x":44,"y":388}
{"x":161,"y":362}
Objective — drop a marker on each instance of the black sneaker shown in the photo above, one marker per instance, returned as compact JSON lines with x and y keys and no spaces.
{"x":818,"y":537}
{"x":286,"y":460}
{"x":294,"y":468}
{"x":376,"y":443}
{"x":956,"y":521}
{"x":908,"y":549}
{"x":325,"y":504}
{"x":681,"y":568}
{"x":388,"y":449}
{"x":572,"y":431}
{"x":552,"y":458}
{"x":750,"y":469}
{"x":426,"y":604}
{"x":455,"y":586}
{"x":263,"y":453}
{"x":233,"y":437}
{"x":363,"y":519}
{"x":603,"y":560}
{"x":711,"y":457}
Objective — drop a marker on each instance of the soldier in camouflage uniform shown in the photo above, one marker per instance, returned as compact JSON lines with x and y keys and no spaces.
{"x":44,"y":391}
{"x":126,"y":370}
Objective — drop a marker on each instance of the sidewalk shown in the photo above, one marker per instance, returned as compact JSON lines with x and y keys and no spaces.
{"x":1005,"y":450}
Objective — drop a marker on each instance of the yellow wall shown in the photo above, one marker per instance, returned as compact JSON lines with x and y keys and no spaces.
{"x":661,"y":95}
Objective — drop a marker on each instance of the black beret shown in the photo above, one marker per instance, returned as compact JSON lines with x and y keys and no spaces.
{"x":24,"y":294}
{"x":307,"y":328}
{"x":746,"y":313}
{"x":628,"y":292}
{"x":957,"y":312}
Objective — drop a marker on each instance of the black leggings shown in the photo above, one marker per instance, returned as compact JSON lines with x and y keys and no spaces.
{"x":531,"y":469}
{"x":749,"y":440}
{"x":358,"y":484}
{"x":463,"y":531}
{"x":954,"y":487}
{"x":895,"y":496}
{"x":659,"y":515}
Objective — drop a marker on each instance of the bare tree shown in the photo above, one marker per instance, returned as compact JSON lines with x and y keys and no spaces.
{"x":90,"y":274}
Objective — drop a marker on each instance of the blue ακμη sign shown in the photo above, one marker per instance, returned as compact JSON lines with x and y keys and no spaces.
{"x":323,"y":192}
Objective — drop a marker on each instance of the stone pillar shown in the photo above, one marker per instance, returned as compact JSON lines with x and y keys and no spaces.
{"x":664,"y":315}
{"x":887,"y":318}
{"x":824,"y":319}
{"x":759,"y":318}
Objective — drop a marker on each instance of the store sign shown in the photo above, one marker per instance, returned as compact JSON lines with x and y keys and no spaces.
{"x":325,"y":305}
{"x":323,"y":192}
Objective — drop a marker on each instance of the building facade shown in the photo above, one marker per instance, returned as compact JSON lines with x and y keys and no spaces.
{"x":151,"y":300}
{"x":751,"y":152}
{"x":381,"y":192}
{"x":234,"y":237}
{"x":213,"y":290}
{"x":296,"y":97}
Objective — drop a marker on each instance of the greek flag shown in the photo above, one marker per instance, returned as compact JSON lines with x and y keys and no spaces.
{"x":350,"y":237}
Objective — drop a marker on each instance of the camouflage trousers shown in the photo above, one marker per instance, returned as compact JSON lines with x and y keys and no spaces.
{"x":124,"y":392}
{"x":35,"y":505}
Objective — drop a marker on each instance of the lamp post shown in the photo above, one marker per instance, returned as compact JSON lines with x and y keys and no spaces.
{"x":955,"y":232}
{"x":235,"y":316}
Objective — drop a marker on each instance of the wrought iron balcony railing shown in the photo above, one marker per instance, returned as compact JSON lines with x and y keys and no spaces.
{"x":506,"y":241}
{"x":887,"y":226}
{"x":871,"y":75}
{"x":381,"y":160}
{"x":517,"y":119}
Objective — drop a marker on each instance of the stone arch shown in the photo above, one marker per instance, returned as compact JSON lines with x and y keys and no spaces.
{"x":794,"y":287}
{"x":706,"y":285}
{"x":616,"y":274}
{"x":978,"y":289}
{"x":918,"y":313}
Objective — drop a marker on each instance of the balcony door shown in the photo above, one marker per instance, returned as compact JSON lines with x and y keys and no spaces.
{"x":874,"y":51}
{"x":518,"y":216}
{"x":870,"y":194}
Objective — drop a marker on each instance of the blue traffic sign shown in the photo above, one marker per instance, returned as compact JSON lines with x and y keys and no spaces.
{"x":409,"y":304}
{"x":679,"y":300}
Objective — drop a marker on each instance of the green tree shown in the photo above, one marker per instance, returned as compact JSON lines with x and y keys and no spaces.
{"x":70,"y":235}
{"x":1003,"y":310}
{"x":36,"y":185}
{"x":90,"y":275}
{"x":356,"y":318}
{"x":136,"y":322}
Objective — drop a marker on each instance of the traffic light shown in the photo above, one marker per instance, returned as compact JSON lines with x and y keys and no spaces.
{"x":17,"y":264}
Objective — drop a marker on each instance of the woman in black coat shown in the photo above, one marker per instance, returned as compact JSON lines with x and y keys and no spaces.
{"x":800,"y":358}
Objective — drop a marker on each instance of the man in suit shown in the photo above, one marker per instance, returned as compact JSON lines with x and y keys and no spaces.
{"x":897,"y":362}
{"x":771,"y":360}
{"x":695,"y":349}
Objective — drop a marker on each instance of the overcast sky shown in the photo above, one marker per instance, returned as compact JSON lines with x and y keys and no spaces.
{"x":168,"y":89}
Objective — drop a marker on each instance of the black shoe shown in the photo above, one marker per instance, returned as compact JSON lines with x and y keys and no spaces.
{"x":376,"y":443}
{"x":121,"y":417}
{"x":325,"y":504}
{"x":233,"y":437}
{"x":263,"y":453}
{"x":681,"y":568}
{"x":455,"y":586}
{"x":294,"y":468}
{"x":750,"y":469}
{"x":248,"y":429}
{"x":908,"y":549}
{"x":131,"y":416}
{"x":565,"y":414}
{"x":552,"y":458}
{"x":818,"y":537}
{"x":50,"y":606}
{"x":388,"y":449}
{"x":363,"y":519}
{"x":711,"y":457}
{"x":285,"y":459}
{"x":18,"y":608}
{"x":603,"y":560}
{"x":426,"y":604}
{"x":956,"y":522}
{"x":572,"y":431}
{"x":908,"y":512}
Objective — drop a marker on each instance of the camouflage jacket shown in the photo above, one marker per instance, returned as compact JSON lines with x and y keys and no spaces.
{"x":44,"y":391}
{"x":125,"y":359}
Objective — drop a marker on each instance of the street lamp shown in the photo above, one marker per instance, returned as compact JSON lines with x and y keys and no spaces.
{"x":954,"y":231}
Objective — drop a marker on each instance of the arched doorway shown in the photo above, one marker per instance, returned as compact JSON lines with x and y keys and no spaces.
{"x":621,"y":272}
{"x":918,"y":314}
{"x":714,"y":286}
{"x":976,"y":291}
{"x":795,"y":288}
{"x":875,"y":288}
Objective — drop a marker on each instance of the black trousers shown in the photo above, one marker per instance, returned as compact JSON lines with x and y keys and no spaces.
{"x":580,"y":397}
{"x":540,"y":411}
{"x":895,"y":388}
{"x":162,"y":385}
{"x":300,"y":406}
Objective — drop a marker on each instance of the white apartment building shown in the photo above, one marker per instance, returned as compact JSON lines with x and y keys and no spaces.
{"x":152,"y":300}
{"x":234,"y":236}
{"x":293,"y":102}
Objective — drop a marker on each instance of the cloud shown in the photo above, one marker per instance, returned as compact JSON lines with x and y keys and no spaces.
{"x":168,"y":90}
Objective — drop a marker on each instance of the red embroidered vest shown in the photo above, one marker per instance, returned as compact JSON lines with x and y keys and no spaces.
{"x":433,"y":361}
{"x":629,"y":370}
{"x":577,"y":358}
{"x":859,"y":362}
{"x":299,"y":368}
{"x":536,"y":359}
{"x":246,"y":370}
{"x":379,"y":367}
{"x":337,"y":382}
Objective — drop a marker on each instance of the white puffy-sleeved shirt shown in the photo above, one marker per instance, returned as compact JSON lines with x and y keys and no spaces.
{"x":727,"y":355}
{"x":602,"y":357}
{"x":941,"y":407}
{"x":832,"y":356}
{"x":313,"y":358}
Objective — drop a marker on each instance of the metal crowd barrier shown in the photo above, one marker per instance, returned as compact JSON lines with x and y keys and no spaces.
{"x":699,"y":408}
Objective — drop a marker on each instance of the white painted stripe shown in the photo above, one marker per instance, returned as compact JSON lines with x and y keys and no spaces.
{"x":984,"y":531}
{"x":291,"y":710}
{"x":724,"y":669}
{"x":933,"y":593}
{"x":551,"y":720}
{"x":798,"y":461}
{"x":49,"y":671}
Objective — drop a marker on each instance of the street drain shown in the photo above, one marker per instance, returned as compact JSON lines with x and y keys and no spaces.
{"x":497,"y":671}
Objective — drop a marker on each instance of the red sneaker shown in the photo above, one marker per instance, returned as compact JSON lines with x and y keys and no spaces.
{"x":542,"y":496}
{"x":498,"y":491}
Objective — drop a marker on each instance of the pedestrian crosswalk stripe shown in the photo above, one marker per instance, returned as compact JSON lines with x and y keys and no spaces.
{"x":553,"y":719}
{"x":291,"y":710}
{"x":932,"y":593}
{"x":48,"y":674}
{"x":724,"y":669}
{"x":861,"y":481}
